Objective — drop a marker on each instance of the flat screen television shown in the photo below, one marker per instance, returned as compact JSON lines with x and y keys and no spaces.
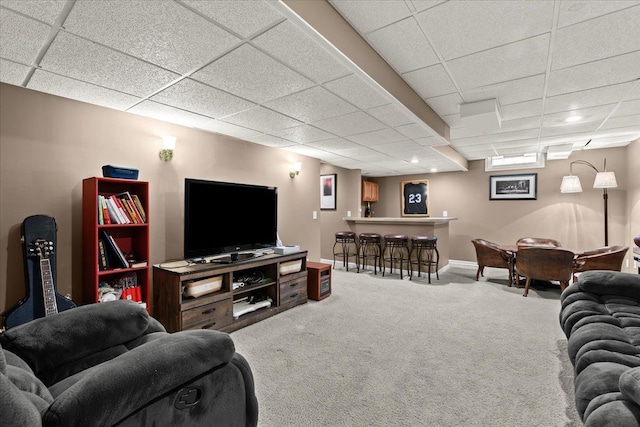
{"x":227,"y":218}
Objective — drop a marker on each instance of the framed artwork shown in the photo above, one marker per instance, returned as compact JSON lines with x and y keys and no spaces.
{"x":328,"y":191}
{"x":513,"y":187}
{"x":415,"y":198}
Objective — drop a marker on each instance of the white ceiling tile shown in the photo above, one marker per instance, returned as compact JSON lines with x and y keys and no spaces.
{"x":224,"y":128}
{"x":199,"y":98}
{"x":445,"y":104}
{"x":87,"y":61}
{"x":168,"y":114}
{"x":599,"y":38}
{"x":270,"y":141}
{"x":312,"y":104}
{"x":390,"y":115}
{"x":403,"y":45}
{"x":618,"y":69}
{"x":431,"y":141}
{"x":574,"y":128}
{"x":261,"y":119}
{"x":396,"y":147}
{"x":514,"y":151}
{"x":370,"y":15}
{"x":498,"y":137}
{"x":21,"y":37}
{"x":623,"y":121}
{"x":303,"y":134}
{"x":306,"y":151}
{"x":12,"y":72}
{"x":430,"y":81}
{"x":521,"y":110}
{"x":628,"y":108}
{"x":335,"y":145}
{"x":74,"y":89}
{"x":43,"y":10}
{"x":509,"y":92}
{"x":243,"y":17}
{"x":421,"y":5}
{"x":358,"y":153}
{"x":413,"y":130}
{"x":587,"y":98}
{"x":591,"y":114}
{"x":349,"y":124}
{"x":501,"y":64}
{"x":288,"y":43}
{"x":357,"y":91}
{"x":373,"y":158}
{"x":250,"y":74}
{"x":459,"y":28}
{"x":378,"y":137}
{"x":161,"y":32}
{"x":573,"y":11}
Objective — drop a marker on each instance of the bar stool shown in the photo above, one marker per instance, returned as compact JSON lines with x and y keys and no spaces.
{"x":347,"y":248}
{"x":395,"y":247}
{"x":370,"y":248}
{"x":422,"y":254}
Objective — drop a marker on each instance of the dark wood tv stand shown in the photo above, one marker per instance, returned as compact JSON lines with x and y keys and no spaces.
{"x":215,"y":310}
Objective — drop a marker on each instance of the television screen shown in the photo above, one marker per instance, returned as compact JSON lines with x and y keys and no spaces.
{"x":224,"y":217}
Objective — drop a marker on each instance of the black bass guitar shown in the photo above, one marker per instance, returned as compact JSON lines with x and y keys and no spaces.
{"x":42,"y":299}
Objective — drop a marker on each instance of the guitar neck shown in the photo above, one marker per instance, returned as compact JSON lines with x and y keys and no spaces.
{"x":50,"y":305}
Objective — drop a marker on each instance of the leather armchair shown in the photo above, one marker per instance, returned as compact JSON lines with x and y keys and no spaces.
{"x":604,"y":258}
{"x":544,"y":263}
{"x":538,"y":241}
{"x":110,"y":363}
{"x":489,"y":254}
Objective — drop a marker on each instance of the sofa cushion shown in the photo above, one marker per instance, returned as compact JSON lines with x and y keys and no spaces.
{"x":630,"y":384}
{"x":610,"y":283}
{"x":16,"y":410}
{"x":595,"y":380}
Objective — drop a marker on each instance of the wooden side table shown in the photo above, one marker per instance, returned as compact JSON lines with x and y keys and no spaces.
{"x":318,"y":280}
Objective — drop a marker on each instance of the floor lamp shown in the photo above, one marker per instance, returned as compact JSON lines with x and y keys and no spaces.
{"x":604,"y":180}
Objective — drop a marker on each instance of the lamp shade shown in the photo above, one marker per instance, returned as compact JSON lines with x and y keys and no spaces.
{"x":169,"y":142}
{"x":570,"y":184}
{"x":605,"y":180}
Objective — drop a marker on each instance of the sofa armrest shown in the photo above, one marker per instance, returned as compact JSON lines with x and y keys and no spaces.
{"x":52,"y":341}
{"x":602,"y":282}
{"x":113,"y":390}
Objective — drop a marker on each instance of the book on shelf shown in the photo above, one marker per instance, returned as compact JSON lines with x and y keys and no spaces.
{"x":138,"y":203}
{"x":137,"y":264}
{"x":127,"y":200}
{"x":103,"y":260}
{"x":117,"y":259}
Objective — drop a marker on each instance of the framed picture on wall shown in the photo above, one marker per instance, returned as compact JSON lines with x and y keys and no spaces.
{"x":328,"y":191}
{"x":513,"y":187}
{"x":415,"y":198}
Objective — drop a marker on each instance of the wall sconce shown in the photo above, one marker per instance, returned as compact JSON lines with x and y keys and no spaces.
{"x":296,"y":167}
{"x":168,"y":145}
{"x":604,"y":180}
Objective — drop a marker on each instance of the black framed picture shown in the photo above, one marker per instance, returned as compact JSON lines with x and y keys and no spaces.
{"x":328,"y":187}
{"x":415,"y":198}
{"x":513,"y":187}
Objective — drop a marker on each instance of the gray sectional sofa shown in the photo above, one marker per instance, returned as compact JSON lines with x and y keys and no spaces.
{"x":600,"y":315}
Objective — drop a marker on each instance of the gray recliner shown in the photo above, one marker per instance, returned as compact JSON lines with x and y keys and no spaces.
{"x":112,"y":364}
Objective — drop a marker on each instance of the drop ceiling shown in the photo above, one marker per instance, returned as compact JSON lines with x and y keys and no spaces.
{"x":262,"y":72}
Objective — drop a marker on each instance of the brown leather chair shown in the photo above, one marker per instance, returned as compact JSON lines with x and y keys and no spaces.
{"x":538,"y":241}
{"x":544,"y":263}
{"x":604,"y":258}
{"x":490,"y":255}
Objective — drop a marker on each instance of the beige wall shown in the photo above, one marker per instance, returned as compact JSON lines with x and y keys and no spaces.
{"x":576,"y":220}
{"x":48,"y":145}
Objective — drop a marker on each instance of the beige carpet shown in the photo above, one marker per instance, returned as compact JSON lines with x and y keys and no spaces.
{"x":389,"y":352}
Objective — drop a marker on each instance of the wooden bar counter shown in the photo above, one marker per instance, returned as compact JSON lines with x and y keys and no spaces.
{"x":432,"y":226}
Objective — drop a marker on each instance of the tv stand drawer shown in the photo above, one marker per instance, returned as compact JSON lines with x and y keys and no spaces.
{"x":293,"y":290}
{"x":220,"y":313}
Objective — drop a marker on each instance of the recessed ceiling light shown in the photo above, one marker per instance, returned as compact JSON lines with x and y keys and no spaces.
{"x":434,"y":169}
{"x":414,"y":160}
{"x":573,"y":119}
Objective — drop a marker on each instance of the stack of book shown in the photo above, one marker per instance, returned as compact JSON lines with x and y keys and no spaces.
{"x":110,"y":256}
{"x":123,"y":208}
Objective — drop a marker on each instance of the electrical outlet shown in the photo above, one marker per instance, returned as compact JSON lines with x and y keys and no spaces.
{"x":349,"y":214}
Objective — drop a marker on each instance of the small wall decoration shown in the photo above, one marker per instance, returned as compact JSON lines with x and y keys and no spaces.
{"x":328,"y":191}
{"x":415,"y":198}
{"x":513,"y":187}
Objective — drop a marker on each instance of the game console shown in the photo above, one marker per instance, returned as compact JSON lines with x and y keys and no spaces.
{"x":198,"y":288}
{"x":284,"y":250}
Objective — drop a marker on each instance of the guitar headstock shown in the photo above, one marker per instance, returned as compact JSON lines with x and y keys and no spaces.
{"x":41,"y":248}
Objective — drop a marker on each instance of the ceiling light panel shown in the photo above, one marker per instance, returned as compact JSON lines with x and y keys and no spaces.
{"x":289,"y":44}
{"x":244,"y":18}
{"x":153,"y":31}
{"x":81,"y":91}
{"x":199,"y":98}
{"x":248,"y":73}
{"x":83,"y":60}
